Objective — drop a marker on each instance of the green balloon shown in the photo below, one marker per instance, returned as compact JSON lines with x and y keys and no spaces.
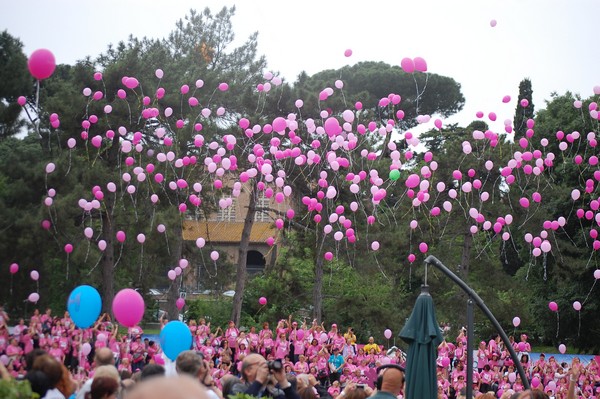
{"x":394,"y":174}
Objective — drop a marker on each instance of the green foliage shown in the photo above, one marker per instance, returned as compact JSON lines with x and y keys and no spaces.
{"x":215,"y":311}
{"x":522,"y":114}
{"x":13,"y":389}
{"x":15,"y":81}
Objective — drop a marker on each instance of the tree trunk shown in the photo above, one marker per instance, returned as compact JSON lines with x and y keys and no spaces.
{"x":173,"y":293}
{"x":465,"y":259}
{"x":318,"y":290}
{"x":240,"y":281}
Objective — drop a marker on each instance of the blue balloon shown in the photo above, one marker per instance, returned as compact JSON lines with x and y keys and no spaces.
{"x":84,"y":305}
{"x":175,"y":338}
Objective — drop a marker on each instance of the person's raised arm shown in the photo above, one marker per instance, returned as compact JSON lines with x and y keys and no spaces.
{"x":573,"y":379}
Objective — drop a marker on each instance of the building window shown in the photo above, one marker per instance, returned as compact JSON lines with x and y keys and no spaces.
{"x":228,"y":214}
{"x":262,"y":203}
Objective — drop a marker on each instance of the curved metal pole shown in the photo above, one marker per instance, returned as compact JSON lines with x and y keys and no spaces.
{"x":432,"y":260}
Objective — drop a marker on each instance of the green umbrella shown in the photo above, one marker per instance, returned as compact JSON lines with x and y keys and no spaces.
{"x":423,"y":335}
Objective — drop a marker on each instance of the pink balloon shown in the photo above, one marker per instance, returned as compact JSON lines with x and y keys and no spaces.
{"x":553,"y":306}
{"x":387,"y":333}
{"x":262,"y":300}
{"x":423,"y":247}
{"x":14,"y":268}
{"x":68,"y":248}
{"x":86,"y":348}
{"x":413,"y":181}
{"x":101,"y":245}
{"x":328,"y":256}
{"x":512,"y":377}
{"x":348,"y":53}
{"x":34,"y":275}
{"x":323,"y":339}
{"x":172,"y":274}
{"x":214,"y":255}
{"x":420,"y":64}
{"x":131,"y":83}
{"x":562,"y":348}
{"x":407,"y":65}
{"x":493,"y":23}
{"x":300,"y":334}
{"x":128,"y":307}
{"x":516,"y":321}
{"x":21,"y":100}
{"x":597,"y":274}
{"x":445,"y":361}
{"x":521,"y":346}
{"x":121,"y":236}
{"x":577,"y":305}
{"x":41,"y":64}
{"x":180,"y":303}
{"x":535,"y":382}
{"x":34,"y":297}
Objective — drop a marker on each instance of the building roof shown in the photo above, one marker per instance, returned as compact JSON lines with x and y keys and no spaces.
{"x":226,"y":232}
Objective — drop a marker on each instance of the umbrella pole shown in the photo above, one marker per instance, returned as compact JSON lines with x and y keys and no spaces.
{"x":469,"y":348}
{"x":473,"y":295}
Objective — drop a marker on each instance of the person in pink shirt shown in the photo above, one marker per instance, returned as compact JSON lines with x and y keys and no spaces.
{"x":350,"y":364}
{"x":66,"y":320}
{"x":482,"y":356}
{"x":267,"y":344}
{"x":203,"y":328}
{"x":282,"y":328}
{"x":35,"y":318}
{"x":47,"y":316}
{"x":334,"y":389}
{"x":346,"y":376}
{"x":27,"y":340}
{"x":14,"y":351}
{"x":231,"y":335}
{"x":524,"y":346}
{"x":282,"y":347}
{"x":264,"y":331}
{"x":193,"y":327}
{"x":253,"y":339}
{"x":313,"y":349}
{"x":301,"y":366}
{"x":518,"y":385}
{"x":4,"y":341}
{"x":241,"y":352}
{"x":486,"y":377}
{"x":138,"y":351}
{"x":124,"y":365}
{"x":56,"y":352}
{"x":18,"y":329}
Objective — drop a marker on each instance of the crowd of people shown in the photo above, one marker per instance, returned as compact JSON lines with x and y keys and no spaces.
{"x":329,"y":361}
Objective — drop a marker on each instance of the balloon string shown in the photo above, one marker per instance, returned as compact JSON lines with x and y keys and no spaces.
{"x":120,"y":254}
{"x":167,"y":241}
{"x":67,"y":266}
{"x":141,"y":263}
{"x":87,"y":252}
{"x":557,"y":323}
{"x":95,"y":266}
{"x":588,"y":295}
{"x":579,"y":327}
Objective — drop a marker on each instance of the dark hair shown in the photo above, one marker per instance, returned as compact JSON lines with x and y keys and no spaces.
{"x":102,"y":387}
{"x":31,"y":356}
{"x":39,"y":382}
{"x":152,"y":370}
{"x":228,"y":381}
{"x":49,"y":366}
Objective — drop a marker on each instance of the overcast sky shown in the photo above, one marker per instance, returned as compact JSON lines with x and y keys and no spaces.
{"x":552,"y":42}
